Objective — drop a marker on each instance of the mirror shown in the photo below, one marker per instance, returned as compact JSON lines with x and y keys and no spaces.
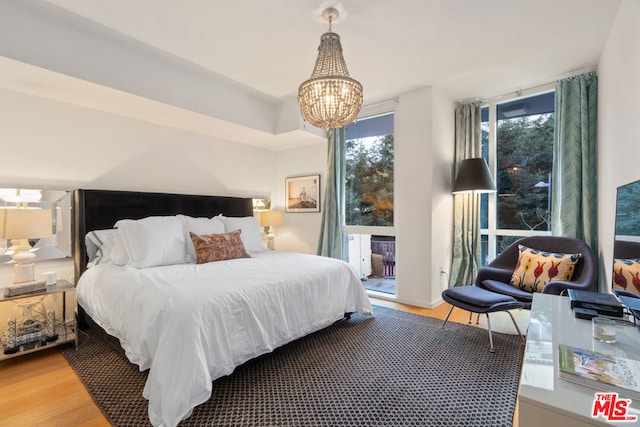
{"x":626,"y":245}
{"x":59,"y":202}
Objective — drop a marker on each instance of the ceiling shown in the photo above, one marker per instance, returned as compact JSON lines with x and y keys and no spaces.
{"x":468,"y":49}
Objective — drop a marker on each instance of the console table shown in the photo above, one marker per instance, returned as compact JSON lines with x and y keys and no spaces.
{"x":543,"y":398}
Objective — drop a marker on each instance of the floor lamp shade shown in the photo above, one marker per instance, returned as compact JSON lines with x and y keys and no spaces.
{"x":474,"y":175}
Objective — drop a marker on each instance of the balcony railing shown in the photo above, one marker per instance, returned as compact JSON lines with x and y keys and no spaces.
{"x":388,"y":251}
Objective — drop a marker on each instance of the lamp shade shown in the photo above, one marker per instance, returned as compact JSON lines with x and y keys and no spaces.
{"x":25,"y":223}
{"x":270,"y":218}
{"x":474,"y":175}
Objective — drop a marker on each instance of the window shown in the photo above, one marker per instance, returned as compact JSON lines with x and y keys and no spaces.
{"x":517,"y":142}
{"x":369,"y":202}
{"x":369,"y":172}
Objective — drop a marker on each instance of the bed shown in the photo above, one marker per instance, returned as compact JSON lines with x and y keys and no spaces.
{"x":190,"y":323}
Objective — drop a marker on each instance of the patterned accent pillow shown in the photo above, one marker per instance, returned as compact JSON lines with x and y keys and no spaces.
{"x":218,"y":247}
{"x":626,"y":275}
{"x":536,"y":268}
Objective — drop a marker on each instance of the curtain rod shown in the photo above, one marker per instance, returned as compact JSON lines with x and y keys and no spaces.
{"x":519,"y":92}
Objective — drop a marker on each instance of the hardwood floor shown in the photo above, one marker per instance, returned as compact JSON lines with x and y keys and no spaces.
{"x":41,"y":388}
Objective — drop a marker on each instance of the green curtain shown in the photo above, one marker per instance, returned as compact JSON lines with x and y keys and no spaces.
{"x":574,"y":209}
{"x":467,"y":145}
{"x":331,"y":243}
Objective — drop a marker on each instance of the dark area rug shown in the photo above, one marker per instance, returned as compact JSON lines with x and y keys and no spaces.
{"x":394,"y":369}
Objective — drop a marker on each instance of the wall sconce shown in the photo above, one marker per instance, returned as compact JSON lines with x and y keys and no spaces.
{"x":19,"y":225}
{"x":270,"y":219}
{"x":260,"y":205}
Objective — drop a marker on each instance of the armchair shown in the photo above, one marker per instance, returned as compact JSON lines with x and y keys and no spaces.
{"x":497,"y":275}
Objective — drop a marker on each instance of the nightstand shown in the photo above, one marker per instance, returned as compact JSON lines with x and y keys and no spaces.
{"x":38,"y":320}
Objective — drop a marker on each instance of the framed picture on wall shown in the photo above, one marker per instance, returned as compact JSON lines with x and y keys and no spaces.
{"x":302,"y":193}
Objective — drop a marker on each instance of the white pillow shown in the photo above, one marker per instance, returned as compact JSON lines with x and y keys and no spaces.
{"x":200,"y":226}
{"x":113,"y":250}
{"x":105,"y":246}
{"x":154,"y":241}
{"x":250,"y":231}
{"x":93,"y":241}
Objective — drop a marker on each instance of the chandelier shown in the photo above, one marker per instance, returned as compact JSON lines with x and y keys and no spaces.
{"x":330,"y":98}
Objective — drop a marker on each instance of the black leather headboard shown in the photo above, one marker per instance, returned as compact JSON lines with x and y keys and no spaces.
{"x":100,"y":209}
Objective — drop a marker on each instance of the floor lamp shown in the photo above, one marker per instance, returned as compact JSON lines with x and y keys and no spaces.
{"x":474,"y":178}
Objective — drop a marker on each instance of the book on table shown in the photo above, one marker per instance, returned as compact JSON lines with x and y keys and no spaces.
{"x":601,"y":371}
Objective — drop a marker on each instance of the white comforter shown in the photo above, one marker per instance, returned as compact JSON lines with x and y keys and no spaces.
{"x":190,"y":324}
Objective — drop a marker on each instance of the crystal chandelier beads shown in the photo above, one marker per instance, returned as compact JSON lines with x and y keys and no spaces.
{"x":330,"y":98}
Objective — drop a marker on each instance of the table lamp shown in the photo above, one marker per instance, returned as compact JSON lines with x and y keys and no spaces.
{"x":19,"y":225}
{"x":270,"y":219}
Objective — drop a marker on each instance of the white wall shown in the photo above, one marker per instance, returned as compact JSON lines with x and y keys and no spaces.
{"x":413,"y":182}
{"x":442,"y":158}
{"x":65,"y":146}
{"x":618,"y":113}
{"x":424,"y":207}
{"x":299,"y":232}
{"x":49,"y":144}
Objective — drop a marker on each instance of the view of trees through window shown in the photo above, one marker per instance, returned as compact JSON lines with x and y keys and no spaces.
{"x":522,"y":146}
{"x":369,"y":172}
{"x":524,"y":159}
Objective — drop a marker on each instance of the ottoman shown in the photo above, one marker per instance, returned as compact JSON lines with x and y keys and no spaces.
{"x":478,"y":300}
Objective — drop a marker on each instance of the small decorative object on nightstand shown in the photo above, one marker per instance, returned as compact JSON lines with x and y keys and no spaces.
{"x":50,"y":279}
